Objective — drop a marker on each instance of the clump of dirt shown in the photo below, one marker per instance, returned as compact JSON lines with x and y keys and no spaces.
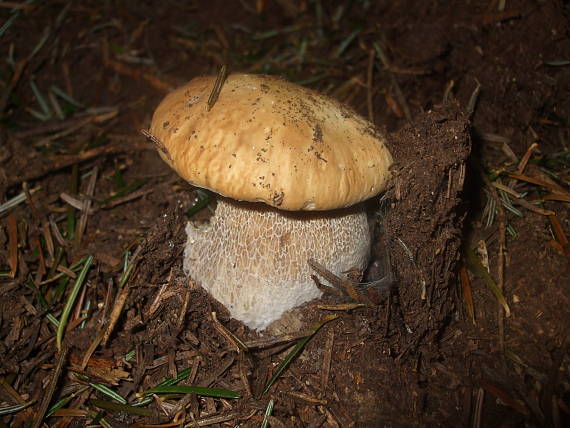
{"x":423,"y":227}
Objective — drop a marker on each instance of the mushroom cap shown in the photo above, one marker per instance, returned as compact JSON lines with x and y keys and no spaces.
{"x":268,"y":140}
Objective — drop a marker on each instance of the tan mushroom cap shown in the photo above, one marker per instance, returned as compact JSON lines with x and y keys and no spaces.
{"x":269,"y":140}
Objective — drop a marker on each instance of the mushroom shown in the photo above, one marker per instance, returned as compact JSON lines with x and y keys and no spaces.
{"x":292,"y":167}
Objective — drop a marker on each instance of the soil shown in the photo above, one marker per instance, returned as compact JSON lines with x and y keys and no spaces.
{"x":461,"y":89}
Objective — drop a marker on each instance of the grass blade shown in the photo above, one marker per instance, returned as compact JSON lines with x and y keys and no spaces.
{"x":71,"y":300}
{"x":14,"y":409}
{"x":16,"y":200}
{"x":475,"y":266}
{"x":268,"y":411}
{"x":48,"y":395}
{"x":203,"y":200}
{"x":125,"y":191}
{"x":187,"y":389}
{"x":296,"y":351}
{"x":108,"y":392}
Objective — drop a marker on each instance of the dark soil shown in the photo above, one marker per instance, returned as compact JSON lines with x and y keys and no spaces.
{"x":462,"y":89}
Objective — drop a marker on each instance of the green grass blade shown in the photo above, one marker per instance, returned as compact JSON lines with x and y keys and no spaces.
{"x":71,"y":300}
{"x":108,"y":392}
{"x":128,"y":268}
{"x":203,"y":200}
{"x":125,"y":191}
{"x":268,"y":411}
{"x":58,"y":405}
{"x":296,"y":351}
{"x":475,"y":266}
{"x":173,"y":381}
{"x":166,"y":382}
{"x":14,"y":409}
{"x":117,"y":177}
{"x":187,"y":389}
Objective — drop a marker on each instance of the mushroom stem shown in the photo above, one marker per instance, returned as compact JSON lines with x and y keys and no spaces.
{"x":253,"y":258}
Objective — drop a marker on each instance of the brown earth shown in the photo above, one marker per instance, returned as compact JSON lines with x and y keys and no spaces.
{"x":462,"y":89}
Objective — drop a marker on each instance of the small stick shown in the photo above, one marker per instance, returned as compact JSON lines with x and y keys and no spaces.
{"x":326,"y":289}
{"x":119,"y":303}
{"x":327,"y":358}
{"x":335,"y":280}
{"x":478,"y":411}
{"x":272,"y":341}
{"x":222,"y":74}
{"x":501,"y":270}
{"x":232,"y":338}
{"x":183,"y":310}
{"x":522,"y":164}
{"x":524,"y":203}
{"x":555,"y":188}
{"x":158,"y":298}
{"x":243,"y":374}
{"x":341,"y":307}
{"x":49,"y":239}
{"x":127,"y":198}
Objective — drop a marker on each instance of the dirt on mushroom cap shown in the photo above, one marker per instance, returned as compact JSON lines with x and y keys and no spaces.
{"x":269,"y":140}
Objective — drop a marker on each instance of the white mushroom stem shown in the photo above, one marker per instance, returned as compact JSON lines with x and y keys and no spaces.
{"x":253,"y":258}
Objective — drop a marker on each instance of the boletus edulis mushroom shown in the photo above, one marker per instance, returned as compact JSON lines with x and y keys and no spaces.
{"x":292,"y":168}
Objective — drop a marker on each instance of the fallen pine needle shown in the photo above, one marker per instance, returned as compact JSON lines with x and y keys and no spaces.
{"x":341,"y":307}
{"x":17,"y":200}
{"x":556,"y":197}
{"x":296,"y":351}
{"x":475,"y":266}
{"x":555,"y":188}
{"x":122,"y":298}
{"x":71,"y":300}
{"x":335,"y":280}
{"x":187,"y":389}
{"x":118,"y":305}
{"x":51,"y":389}
{"x":232,"y":338}
{"x":268,"y":411}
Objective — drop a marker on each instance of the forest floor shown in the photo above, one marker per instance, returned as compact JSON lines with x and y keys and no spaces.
{"x":95,"y":310}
